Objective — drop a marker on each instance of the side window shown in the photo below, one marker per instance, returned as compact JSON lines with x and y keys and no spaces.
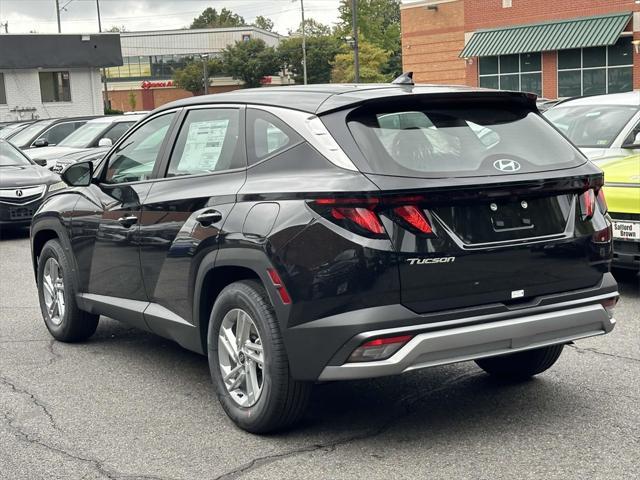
{"x":207,"y":142}
{"x":115,"y":132}
{"x":59,"y":132}
{"x":634,"y":136}
{"x":136,"y":156}
{"x":267,"y":135}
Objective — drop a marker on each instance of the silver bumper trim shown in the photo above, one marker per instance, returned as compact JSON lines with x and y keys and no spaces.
{"x":482,"y":340}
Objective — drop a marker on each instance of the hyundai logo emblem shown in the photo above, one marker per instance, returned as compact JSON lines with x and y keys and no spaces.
{"x":18,"y":193}
{"x":506,"y":165}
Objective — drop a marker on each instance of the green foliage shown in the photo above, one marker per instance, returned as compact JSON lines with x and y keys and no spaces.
{"x":378,"y":24}
{"x":372,"y":59}
{"x":250,"y":61}
{"x":132,"y":100}
{"x":312,"y":28}
{"x":263,"y":23}
{"x":210,"y":18}
{"x":112,"y":111}
{"x":190,"y":77}
{"x":321,"y":49}
{"x":115,"y":28}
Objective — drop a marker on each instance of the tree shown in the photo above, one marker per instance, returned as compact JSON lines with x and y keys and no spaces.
{"x":263,"y":23}
{"x":115,"y":28}
{"x":379,"y":24}
{"x":321,"y":50}
{"x":210,"y":18}
{"x":250,"y":61}
{"x":190,"y":77}
{"x":132,"y":100}
{"x":372,"y":60}
{"x":312,"y":28}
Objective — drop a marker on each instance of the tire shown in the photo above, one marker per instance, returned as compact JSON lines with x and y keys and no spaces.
{"x":74,"y":325}
{"x":521,"y":365}
{"x":281,"y":400}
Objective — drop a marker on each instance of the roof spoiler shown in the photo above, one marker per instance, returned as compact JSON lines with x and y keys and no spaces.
{"x":404,"y":79}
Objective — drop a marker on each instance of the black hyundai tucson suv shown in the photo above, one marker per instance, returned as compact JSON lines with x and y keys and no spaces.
{"x":305,"y":234}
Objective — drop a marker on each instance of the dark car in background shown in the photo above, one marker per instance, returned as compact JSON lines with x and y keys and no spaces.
{"x":334,"y":232}
{"x":100,"y":132}
{"x":48,"y":132}
{"x":92,"y":155}
{"x":23,"y":185}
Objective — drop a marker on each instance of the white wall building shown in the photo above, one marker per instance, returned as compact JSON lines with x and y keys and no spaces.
{"x":46,"y":76}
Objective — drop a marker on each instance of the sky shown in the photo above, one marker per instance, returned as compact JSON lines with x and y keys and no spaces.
{"x":135,"y":15}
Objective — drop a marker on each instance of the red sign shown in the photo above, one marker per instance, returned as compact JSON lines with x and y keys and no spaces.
{"x":146,"y":85}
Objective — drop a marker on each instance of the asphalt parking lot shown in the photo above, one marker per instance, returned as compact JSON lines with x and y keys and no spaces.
{"x":130,"y":405}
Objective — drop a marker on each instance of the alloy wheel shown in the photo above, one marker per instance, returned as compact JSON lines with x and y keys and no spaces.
{"x":53,"y":290}
{"x":241,"y":357}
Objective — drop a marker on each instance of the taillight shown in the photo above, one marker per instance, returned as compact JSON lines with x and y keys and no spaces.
{"x":356,"y":214}
{"x":362,"y":217}
{"x":587,"y":204}
{"x":602,"y":202}
{"x":379,"y":349}
{"x":414,"y":217}
{"x":604,"y":235}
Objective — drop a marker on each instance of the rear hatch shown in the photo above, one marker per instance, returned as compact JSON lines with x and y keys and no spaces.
{"x":483,"y":200}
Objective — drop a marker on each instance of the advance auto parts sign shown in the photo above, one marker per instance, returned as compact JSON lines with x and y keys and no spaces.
{"x":146,"y":85}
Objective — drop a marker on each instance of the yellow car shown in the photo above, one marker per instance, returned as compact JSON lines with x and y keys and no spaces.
{"x":622,"y":193}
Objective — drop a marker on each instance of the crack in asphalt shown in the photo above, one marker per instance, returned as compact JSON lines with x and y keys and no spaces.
{"x":98,"y":465}
{"x":55,"y":356}
{"x":403,"y":408}
{"x":35,"y":400}
{"x":599,"y":352}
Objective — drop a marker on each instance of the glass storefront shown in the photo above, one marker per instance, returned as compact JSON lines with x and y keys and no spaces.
{"x":596,"y":70}
{"x":512,"y":72}
{"x":152,"y":67}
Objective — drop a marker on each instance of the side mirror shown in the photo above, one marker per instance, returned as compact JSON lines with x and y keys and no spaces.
{"x":634,"y":144}
{"x":105,"y":142}
{"x":78,"y":174}
{"x":41,"y":161}
{"x":41,"y":142}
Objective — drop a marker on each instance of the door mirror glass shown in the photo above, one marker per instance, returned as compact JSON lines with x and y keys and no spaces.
{"x":41,"y":142}
{"x":635,"y":143}
{"x":105,"y":142}
{"x":78,"y":174}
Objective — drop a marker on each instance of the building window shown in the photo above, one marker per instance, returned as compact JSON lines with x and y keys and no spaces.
{"x":512,"y":72}
{"x":596,"y":70}
{"x":54,"y":87}
{"x":3,"y":93}
{"x":246,"y":37}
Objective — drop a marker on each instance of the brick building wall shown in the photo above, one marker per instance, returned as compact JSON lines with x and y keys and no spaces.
{"x":433,"y":38}
{"x":155,"y":97}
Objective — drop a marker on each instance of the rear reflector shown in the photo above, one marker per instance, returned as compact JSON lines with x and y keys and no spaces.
{"x":587,"y":204}
{"x":379,"y":349}
{"x":277,"y":282}
{"x":414,"y":217}
{"x":602,"y":201}
{"x":609,"y":305}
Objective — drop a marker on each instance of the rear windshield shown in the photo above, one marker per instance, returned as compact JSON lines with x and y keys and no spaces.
{"x":595,"y":126}
{"x":445,"y":141}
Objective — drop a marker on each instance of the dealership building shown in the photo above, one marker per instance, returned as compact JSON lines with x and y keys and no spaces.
{"x":149,"y":59}
{"x":554,"y":48}
{"x":46,"y":76}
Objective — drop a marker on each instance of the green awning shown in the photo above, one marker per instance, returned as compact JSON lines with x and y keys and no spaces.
{"x":542,"y":37}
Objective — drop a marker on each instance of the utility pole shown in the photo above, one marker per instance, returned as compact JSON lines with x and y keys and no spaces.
{"x":356,"y":59}
{"x":304,"y":44}
{"x":58,"y":15}
{"x":104,"y":70}
{"x":205,"y":73}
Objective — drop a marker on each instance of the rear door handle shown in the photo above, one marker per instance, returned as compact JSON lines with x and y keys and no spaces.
{"x":209,"y":217}
{"x":128,"y":220}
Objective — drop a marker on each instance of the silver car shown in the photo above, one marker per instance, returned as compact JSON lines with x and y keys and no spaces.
{"x":602,"y":126}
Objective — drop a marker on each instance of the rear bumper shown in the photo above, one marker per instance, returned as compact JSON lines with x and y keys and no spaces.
{"x":483,"y":340}
{"x":319,"y":349}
